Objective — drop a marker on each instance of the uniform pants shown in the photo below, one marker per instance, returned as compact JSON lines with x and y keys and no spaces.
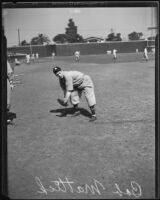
{"x":87,"y":88}
{"x":146,"y":56}
{"x":8,"y":95}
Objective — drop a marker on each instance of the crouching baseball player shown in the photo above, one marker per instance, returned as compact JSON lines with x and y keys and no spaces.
{"x":73,"y":83}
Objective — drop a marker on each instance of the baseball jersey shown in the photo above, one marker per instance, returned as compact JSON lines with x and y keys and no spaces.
{"x":71,"y":79}
{"x":77,"y":53}
{"x":114,"y":51}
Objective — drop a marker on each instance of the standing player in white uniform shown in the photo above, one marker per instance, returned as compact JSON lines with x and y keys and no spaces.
{"x":77,"y":55}
{"x":53,"y":55}
{"x":28,"y":58}
{"x":114,"y":55}
{"x":73,"y":84}
{"x":37,"y":55}
{"x":145,"y":54}
{"x":33,"y":57}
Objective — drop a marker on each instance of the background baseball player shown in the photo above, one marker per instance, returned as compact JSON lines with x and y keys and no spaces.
{"x":53,"y":55}
{"x":114,"y":55}
{"x":145,"y":54}
{"x":33,"y":57}
{"x":77,"y":55}
{"x":17,"y":62}
{"x":28,"y":58}
{"x":73,"y":84}
{"x":37,"y":55}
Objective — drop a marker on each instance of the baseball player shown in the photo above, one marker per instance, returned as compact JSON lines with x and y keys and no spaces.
{"x":73,"y":83}
{"x":77,"y":55}
{"x":33,"y":57}
{"x":28,"y":58}
{"x":53,"y":55}
{"x":9,"y":88}
{"x":37,"y":55}
{"x":145,"y":54}
{"x":17,"y":62}
{"x":114,"y":55}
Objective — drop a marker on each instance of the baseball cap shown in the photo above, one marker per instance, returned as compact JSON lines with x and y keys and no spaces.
{"x":56,"y":70}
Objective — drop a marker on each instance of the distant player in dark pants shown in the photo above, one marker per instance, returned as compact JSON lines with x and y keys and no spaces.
{"x":73,"y":83}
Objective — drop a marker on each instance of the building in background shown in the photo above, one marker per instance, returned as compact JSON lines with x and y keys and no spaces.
{"x":93,"y":39}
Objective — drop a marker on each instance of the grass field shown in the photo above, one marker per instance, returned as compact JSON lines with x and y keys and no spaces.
{"x":53,"y":157}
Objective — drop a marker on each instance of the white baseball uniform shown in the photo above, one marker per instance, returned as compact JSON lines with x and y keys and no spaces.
{"x":114,"y":54}
{"x":77,"y":55}
{"x":28,"y":58}
{"x":146,"y":54}
{"x":77,"y":82}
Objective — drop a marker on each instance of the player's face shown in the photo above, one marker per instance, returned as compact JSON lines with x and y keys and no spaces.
{"x":60,"y":74}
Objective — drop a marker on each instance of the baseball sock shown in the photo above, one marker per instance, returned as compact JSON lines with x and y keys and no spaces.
{"x":75,"y":107}
{"x":92,"y":108}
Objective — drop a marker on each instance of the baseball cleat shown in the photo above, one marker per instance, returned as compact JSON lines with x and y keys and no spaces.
{"x":8,"y":121}
{"x":93,"y":118}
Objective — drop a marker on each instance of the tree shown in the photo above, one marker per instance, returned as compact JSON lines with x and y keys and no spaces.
{"x":24,"y":43}
{"x":110,"y":37}
{"x":119,"y":37}
{"x":71,"y":32}
{"x":70,"y":35}
{"x":71,"y":29}
{"x":34,"y":41}
{"x":40,"y":40}
{"x":113,"y":37}
{"x":60,"y":38}
{"x":135,"y":36}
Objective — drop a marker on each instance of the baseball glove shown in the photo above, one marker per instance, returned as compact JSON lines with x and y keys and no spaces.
{"x":62,"y":103}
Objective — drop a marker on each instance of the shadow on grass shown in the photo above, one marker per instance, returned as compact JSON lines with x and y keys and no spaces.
{"x":70,"y":111}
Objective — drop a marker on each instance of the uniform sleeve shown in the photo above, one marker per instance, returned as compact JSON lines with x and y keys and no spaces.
{"x":62,"y":84}
{"x":9,"y":72}
{"x":69,"y":83}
